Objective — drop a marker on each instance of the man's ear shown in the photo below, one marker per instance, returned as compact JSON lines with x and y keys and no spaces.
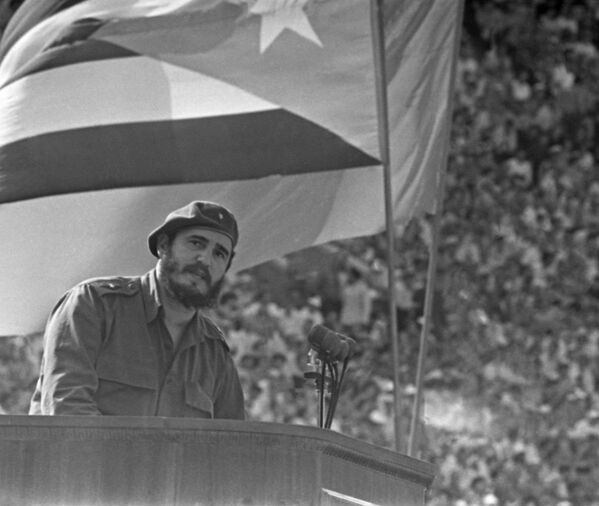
{"x":230,"y":261}
{"x":162,"y":244}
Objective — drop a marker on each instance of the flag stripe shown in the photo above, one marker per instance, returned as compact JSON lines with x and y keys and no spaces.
{"x":76,"y":43}
{"x":225,"y":148}
{"x":27,"y":16}
{"x":47,"y":102}
{"x":44,"y":24}
{"x":90,"y":51}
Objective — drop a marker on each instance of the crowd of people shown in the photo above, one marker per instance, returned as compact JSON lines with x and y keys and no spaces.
{"x":515,"y":331}
{"x":520,"y":243}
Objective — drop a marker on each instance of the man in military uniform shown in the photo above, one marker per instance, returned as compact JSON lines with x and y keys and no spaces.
{"x":141,"y":345}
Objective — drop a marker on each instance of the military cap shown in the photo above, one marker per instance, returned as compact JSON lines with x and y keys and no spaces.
{"x":197,"y":214}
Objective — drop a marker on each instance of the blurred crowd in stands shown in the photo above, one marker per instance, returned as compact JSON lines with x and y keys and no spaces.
{"x":515,"y":326}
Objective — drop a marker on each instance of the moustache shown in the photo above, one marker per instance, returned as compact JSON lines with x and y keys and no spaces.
{"x":199,"y":270}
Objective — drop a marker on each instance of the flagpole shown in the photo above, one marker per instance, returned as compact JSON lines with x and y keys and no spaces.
{"x":382,"y":104}
{"x":433,"y":255}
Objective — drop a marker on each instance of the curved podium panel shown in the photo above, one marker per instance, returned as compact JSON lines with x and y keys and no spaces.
{"x":73,"y":460}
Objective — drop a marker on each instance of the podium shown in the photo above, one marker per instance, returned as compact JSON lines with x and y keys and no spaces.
{"x":78,"y":460}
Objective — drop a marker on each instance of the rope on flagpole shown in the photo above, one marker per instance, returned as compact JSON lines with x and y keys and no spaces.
{"x":433,"y":254}
{"x":382,"y":105}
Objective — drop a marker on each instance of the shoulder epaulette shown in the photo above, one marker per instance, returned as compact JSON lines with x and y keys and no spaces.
{"x":114,"y":285}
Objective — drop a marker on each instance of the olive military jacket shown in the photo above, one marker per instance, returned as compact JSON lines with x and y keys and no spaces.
{"x":106,"y":352}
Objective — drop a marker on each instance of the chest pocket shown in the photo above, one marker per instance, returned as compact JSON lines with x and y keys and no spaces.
{"x":196,"y":398}
{"x":127,"y":372}
{"x":125,"y":388}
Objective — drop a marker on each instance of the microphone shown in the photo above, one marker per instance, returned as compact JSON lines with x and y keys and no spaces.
{"x":331,"y":345}
{"x":352,"y":345}
{"x":324,"y":341}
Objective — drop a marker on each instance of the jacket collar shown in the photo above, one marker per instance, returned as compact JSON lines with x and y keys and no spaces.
{"x":151,"y":295}
{"x":153,"y":306}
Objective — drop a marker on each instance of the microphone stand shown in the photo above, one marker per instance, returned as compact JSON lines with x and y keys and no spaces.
{"x":320,"y":383}
{"x":334,"y":389}
{"x":336,"y":392}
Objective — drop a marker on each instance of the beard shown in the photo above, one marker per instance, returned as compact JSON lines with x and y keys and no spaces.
{"x":188,"y":295}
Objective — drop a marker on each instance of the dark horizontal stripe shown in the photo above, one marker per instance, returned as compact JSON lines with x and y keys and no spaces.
{"x":90,"y":50}
{"x":226,"y":148}
{"x":75,"y":43}
{"x":79,"y":31}
{"x":29,"y":14}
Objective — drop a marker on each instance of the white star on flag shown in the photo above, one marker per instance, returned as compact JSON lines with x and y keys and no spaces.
{"x":280,"y":14}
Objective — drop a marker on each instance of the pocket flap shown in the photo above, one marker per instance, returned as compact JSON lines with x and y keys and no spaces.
{"x":198,"y":399}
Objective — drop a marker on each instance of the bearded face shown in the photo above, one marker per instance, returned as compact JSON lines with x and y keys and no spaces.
{"x":192,"y":267}
{"x":189,"y":295}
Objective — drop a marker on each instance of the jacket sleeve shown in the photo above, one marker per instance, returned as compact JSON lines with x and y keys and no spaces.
{"x":72,"y":340}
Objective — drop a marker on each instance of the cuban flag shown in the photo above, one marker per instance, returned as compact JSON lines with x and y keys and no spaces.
{"x":115,"y":112}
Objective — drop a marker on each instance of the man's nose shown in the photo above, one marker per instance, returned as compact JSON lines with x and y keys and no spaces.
{"x":204,"y":258}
